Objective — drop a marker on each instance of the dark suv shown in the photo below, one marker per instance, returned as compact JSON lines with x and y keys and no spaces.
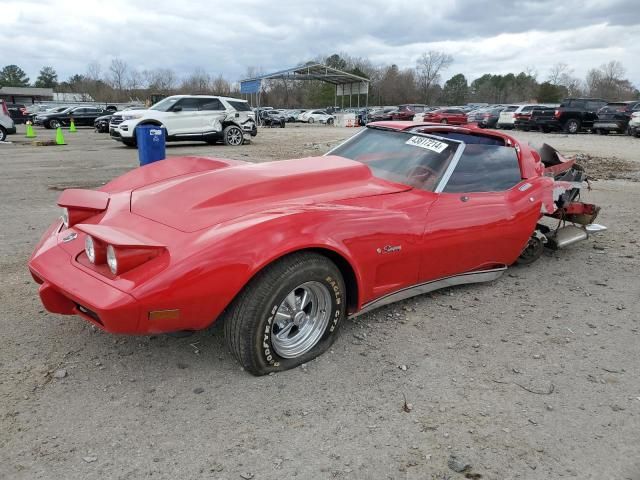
{"x":82,"y":116}
{"x":615,"y":116}
{"x":575,"y":114}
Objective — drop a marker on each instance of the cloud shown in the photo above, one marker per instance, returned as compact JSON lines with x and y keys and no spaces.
{"x":228,"y":37}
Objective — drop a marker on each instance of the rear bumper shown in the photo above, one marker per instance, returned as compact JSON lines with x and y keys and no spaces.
{"x":610,"y":126}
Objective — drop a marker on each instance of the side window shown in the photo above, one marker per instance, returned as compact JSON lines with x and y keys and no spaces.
{"x":578,"y":104}
{"x":189,"y":104}
{"x":636,"y":107}
{"x":79,"y":111}
{"x":211,"y":104}
{"x":485,"y":168}
{"x":591,"y":105}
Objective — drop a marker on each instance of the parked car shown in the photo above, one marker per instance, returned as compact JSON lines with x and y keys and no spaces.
{"x":385,"y":113}
{"x":399,"y":210}
{"x":528,"y":120}
{"x":486,"y":117}
{"x":514,"y":112}
{"x":615,"y":116}
{"x":407,"y":112}
{"x":18,"y":112}
{"x":454,"y":116}
{"x":204,"y":118}
{"x":101,"y":124}
{"x":291,"y":116}
{"x":576,"y":114}
{"x":273,"y":118}
{"x":42,"y":111}
{"x":82,"y":116}
{"x":634,"y":125}
{"x":7,"y":125}
{"x":313,"y":116}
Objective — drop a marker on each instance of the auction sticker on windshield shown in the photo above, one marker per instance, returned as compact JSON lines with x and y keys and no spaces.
{"x":428,"y":143}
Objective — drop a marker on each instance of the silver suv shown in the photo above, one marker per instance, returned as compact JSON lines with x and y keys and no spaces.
{"x":6,"y":122}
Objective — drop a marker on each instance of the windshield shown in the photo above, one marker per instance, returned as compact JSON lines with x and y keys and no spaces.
{"x":412,"y":159}
{"x":166,"y":104}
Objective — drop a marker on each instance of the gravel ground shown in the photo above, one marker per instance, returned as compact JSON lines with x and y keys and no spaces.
{"x":534,"y":375}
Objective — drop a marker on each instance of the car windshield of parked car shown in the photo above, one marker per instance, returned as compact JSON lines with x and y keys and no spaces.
{"x":412,"y":159}
{"x":165,"y":105}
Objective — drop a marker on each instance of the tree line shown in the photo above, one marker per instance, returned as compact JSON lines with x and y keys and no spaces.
{"x":389,"y":84}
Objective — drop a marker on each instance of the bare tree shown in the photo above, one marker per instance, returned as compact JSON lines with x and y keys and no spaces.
{"x":558,"y":72}
{"x":118,"y":74}
{"x":198,"y":81}
{"x":160,"y":80}
{"x":220,"y":86}
{"x":428,"y":67}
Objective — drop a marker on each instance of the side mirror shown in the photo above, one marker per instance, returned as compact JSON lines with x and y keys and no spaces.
{"x":177,"y":108}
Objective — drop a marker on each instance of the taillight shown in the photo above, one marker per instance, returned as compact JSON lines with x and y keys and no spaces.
{"x":556,"y":114}
{"x":486,"y":115}
{"x":5,"y":110}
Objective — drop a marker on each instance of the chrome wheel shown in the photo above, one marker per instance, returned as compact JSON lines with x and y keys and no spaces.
{"x":301,"y":319}
{"x":55,"y":124}
{"x":233,"y":136}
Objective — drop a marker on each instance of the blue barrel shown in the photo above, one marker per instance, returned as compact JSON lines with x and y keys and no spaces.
{"x":151,"y":144}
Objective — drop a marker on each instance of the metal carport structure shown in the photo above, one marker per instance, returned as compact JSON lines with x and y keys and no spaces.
{"x":345,"y":83}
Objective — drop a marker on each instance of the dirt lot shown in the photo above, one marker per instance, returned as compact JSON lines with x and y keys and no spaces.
{"x":532,"y":376}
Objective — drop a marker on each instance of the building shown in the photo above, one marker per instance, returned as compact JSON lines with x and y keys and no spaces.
{"x":26,"y":95}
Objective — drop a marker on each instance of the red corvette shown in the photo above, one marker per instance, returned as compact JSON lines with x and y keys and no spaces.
{"x":284,"y":251}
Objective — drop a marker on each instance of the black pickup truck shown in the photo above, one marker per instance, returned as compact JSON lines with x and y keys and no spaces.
{"x":574,"y":115}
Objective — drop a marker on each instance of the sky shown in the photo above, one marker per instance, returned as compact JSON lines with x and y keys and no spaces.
{"x":227,"y":37}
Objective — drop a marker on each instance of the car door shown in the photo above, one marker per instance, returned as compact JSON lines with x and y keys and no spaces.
{"x":212,"y":113}
{"x":483,"y":216}
{"x":91,"y":114}
{"x":184,"y":118}
{"x":77,"y":114}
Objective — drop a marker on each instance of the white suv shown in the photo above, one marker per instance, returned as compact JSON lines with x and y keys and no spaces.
{"x":190,"y":117}
{"x":7,"y":125}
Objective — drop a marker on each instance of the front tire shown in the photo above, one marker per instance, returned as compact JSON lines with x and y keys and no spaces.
{"x":3,"y":134}
{"x":55,"y":123}
{"x":233,"y":136}
{"x":287,"y":315}
{"x":311,"y":120}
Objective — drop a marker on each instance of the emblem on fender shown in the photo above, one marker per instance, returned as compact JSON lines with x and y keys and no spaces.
{"x":72,"y":236}
{"x":389,"y":249}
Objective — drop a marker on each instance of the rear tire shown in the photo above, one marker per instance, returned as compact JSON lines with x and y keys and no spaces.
{"x":266,"y":333}
{"x":311,"y":120}
{"x":233,"y":136}
{"x":572,"y":126}
{"x":532,"y":252}
{"x":3,"y":134}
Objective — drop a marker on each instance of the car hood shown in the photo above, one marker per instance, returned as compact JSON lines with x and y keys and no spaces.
{"x":200,"y":200}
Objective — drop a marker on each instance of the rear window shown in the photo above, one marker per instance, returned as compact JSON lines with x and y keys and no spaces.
{"x":485,"y":168}
{"x":512,"y":108}
{"x":240,"y":106}
{"x":528,"y":108}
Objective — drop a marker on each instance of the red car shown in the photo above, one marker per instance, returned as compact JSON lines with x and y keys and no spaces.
{"x":284,"y":251}
{"x":454,"y":116}
{"x":407,"y":112}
